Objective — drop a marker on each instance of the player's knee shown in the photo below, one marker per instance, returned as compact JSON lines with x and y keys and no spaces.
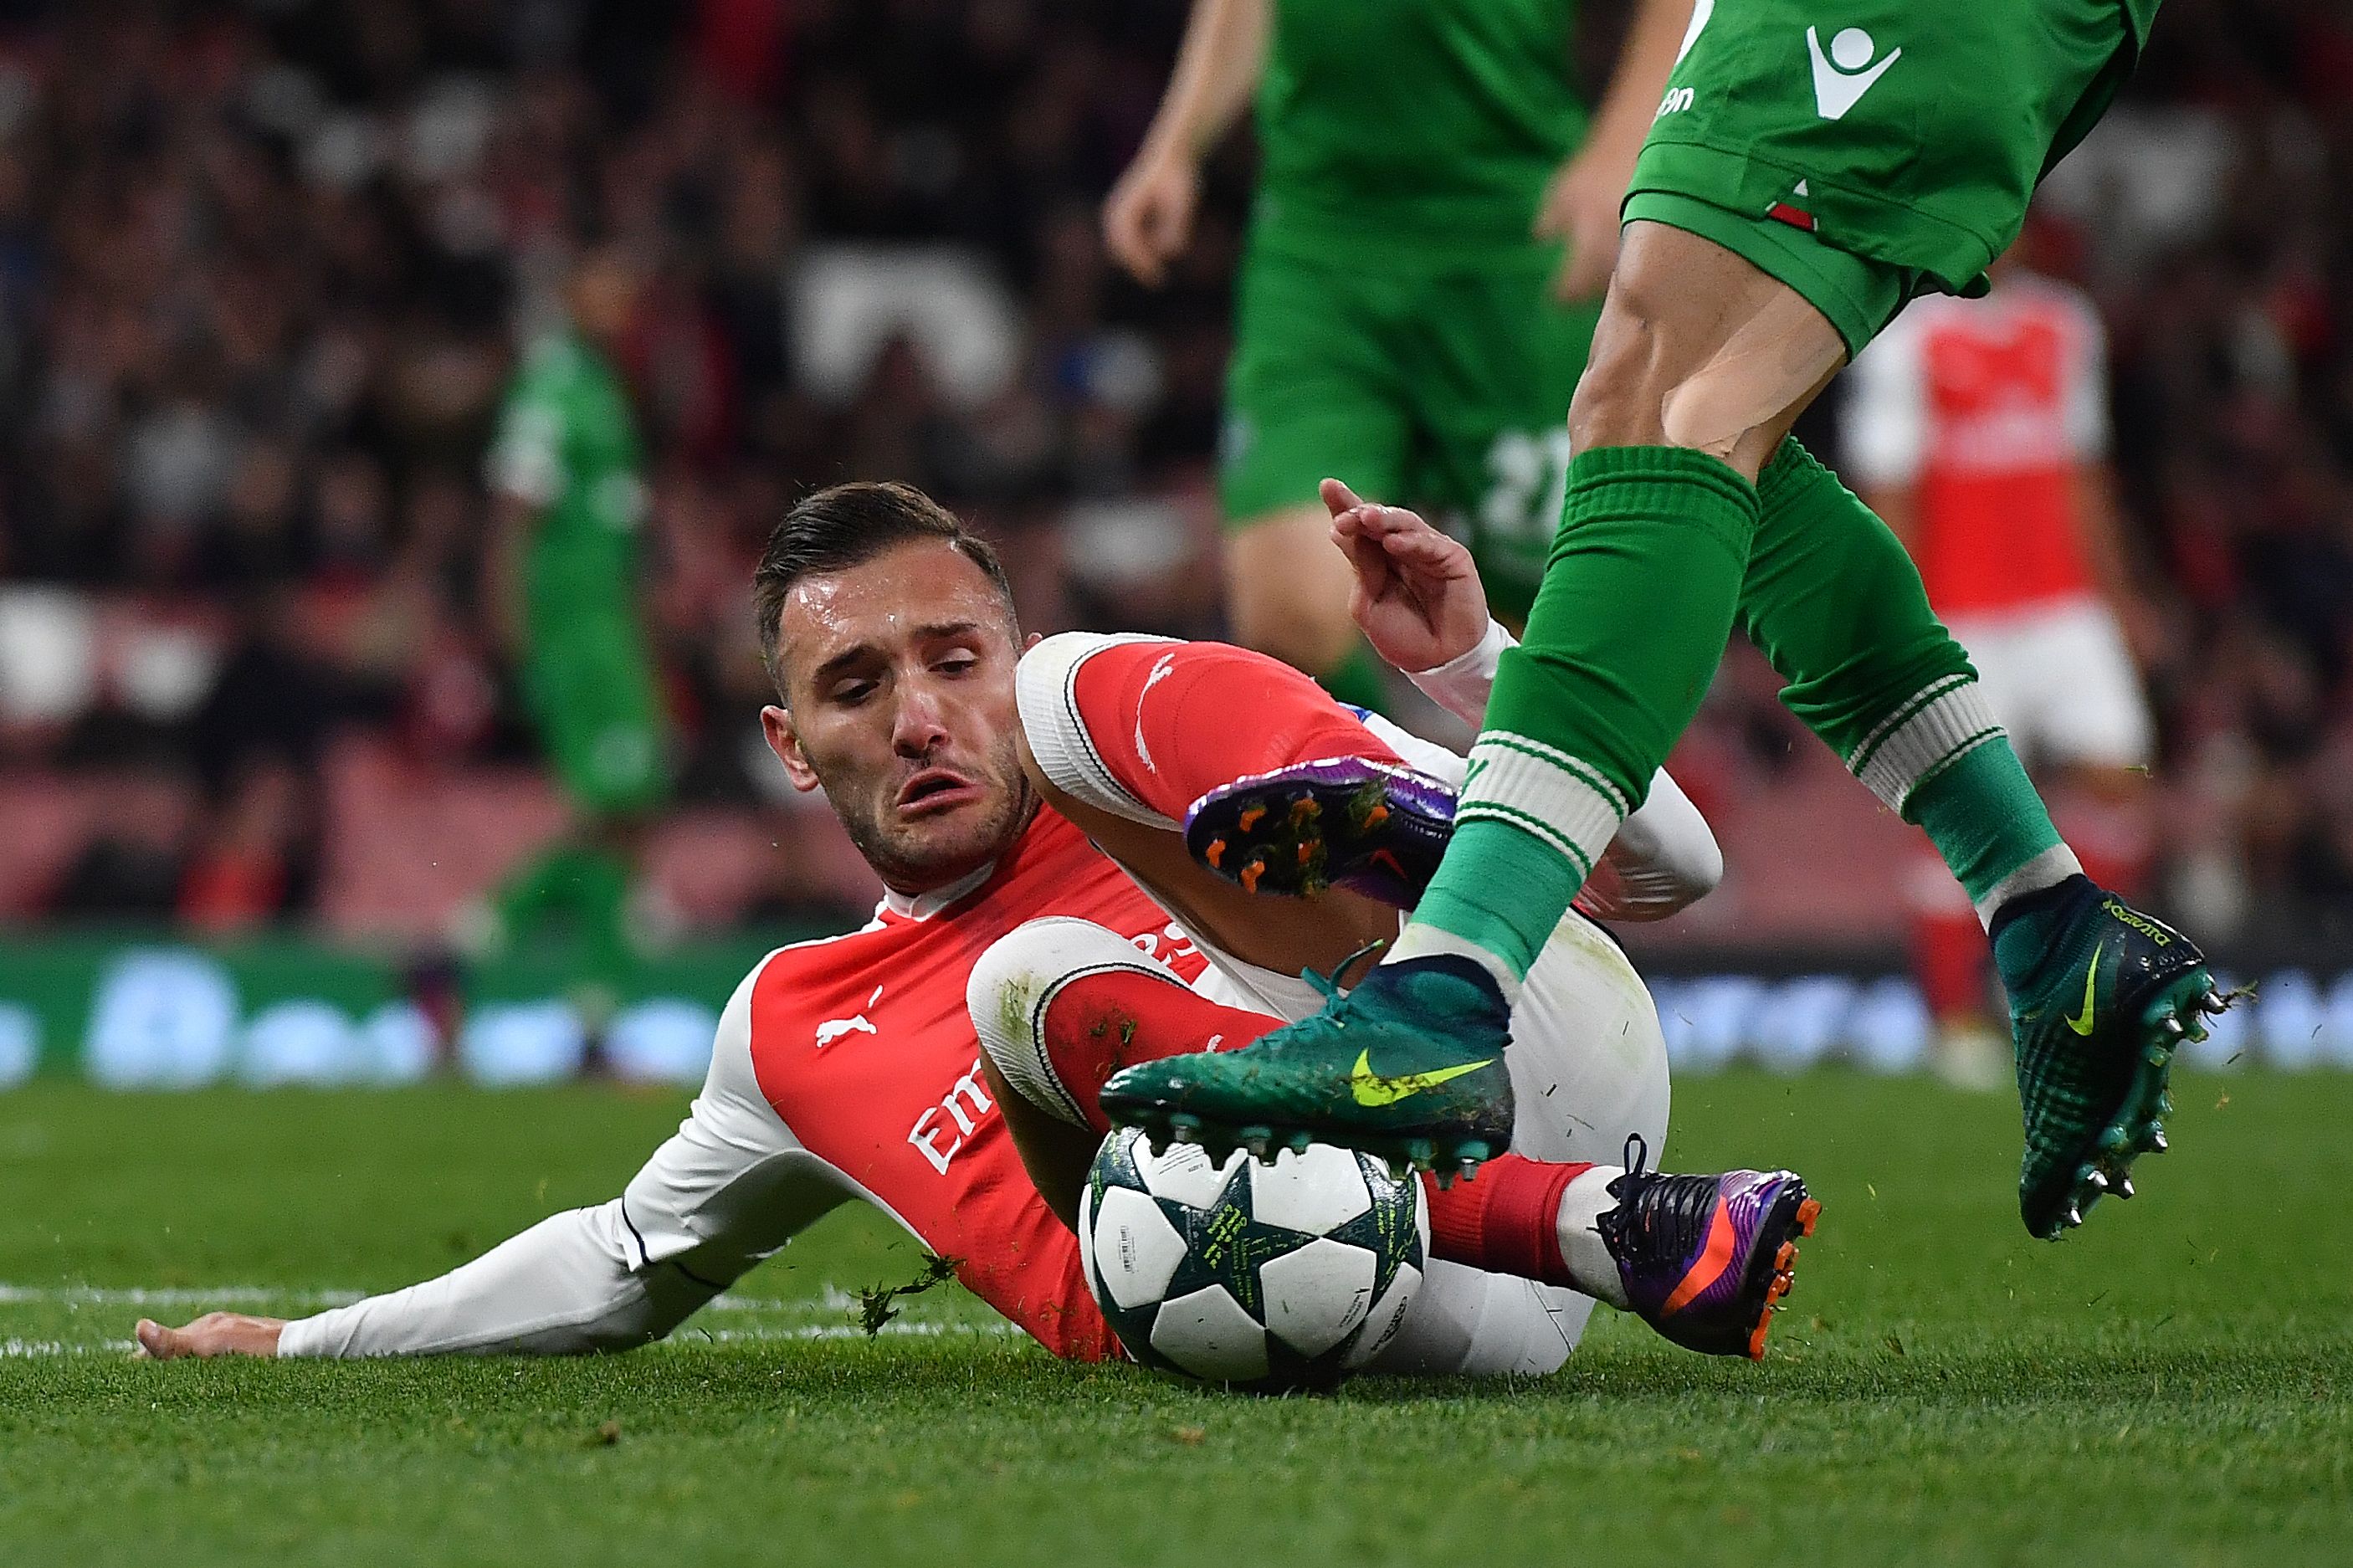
{"x":1011,"y":987}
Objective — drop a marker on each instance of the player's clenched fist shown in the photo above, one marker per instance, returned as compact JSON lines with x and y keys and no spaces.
{"x":215,"y":1334}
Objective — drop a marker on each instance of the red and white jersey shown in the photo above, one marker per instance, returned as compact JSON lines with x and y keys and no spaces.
{"x":1984,"y":409}
{"x":863,"y":1046}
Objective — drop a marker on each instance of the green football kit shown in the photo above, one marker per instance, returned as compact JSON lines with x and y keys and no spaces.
{"x":567,"y":443}
{"x":567,"y":446}
{"x":1860,"y":152}
{"x":1394,"y":324}
{"x":1864,"y":151}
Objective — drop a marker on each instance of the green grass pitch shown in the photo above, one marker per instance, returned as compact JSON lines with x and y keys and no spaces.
{"x":2170,"y":1386}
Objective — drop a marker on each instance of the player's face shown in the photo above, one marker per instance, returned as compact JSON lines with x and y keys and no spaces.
{"x":898,"y":676}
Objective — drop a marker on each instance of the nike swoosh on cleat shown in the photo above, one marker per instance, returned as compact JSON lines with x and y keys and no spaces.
{"x":2081,"y":1022}
{"x":1371,"y":1088}
{"x":1712,"y":1261}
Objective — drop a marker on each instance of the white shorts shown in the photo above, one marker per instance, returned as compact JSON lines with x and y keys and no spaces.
{"x":2063,"y":683}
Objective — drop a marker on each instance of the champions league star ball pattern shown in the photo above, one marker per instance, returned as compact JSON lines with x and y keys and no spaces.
{"x":1261,"y":1277}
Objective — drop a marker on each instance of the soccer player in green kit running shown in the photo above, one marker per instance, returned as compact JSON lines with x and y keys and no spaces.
{"x":1814,"y":164}
{"x":1436,"y":219}
{"x":564,"y":474}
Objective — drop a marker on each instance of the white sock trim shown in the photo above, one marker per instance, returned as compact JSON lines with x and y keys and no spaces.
{"x":1590,"y":1267}
{"x":1924,"y":733}
{"x":1045,"y":689}
{"x":1543,"y":790}
{"x":2048,"y":870}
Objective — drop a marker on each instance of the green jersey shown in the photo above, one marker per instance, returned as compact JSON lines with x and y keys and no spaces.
{"x":567,"y":445}
{"x":1426,"y":127}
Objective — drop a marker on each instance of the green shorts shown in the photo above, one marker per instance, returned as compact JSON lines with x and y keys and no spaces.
{"x":1445,"y":390}
{"x":1880,"y":149}
{"x":593,"y":697}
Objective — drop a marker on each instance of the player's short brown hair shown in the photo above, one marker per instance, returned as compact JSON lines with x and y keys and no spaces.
{"x":843,"y":526}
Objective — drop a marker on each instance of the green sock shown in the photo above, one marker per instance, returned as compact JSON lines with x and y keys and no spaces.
{"x":1625,"y":635}
{"x":1833,"y":601}
{"x":1357,"y":681}
{"x":1983,"y":814}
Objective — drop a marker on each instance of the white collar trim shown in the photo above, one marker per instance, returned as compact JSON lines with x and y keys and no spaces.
{"x":923,"y":906}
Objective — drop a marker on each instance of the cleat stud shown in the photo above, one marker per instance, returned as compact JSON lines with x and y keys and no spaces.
{"x":1297,"y":1142}
{"x":1422,"y":1153}
{"x":1184,"y":1135}
{"x":1399,"y":1170}
{"x":1250,"y":817}
{"x":1445,"y":1179}
{"x":1376,"y":816}
{"x":2114,"y":1138}
{"x":1250,"y":874}
{"x":1786,"y":1256}
{"x":2172,"y":1026}
{"x":2125,"y":1188}
{"x":1468,"y":1167}
{"x":2163,"y":1103}
{"x":2157,"y":1056}
{"x":1809,"y":1212}
{"x":2072,"y":1217}
{"x":2094,"y":1179}
{"x":1215,"y":854}
{"x":1306,"y":852}
{"x":1304,"y":809}
{"x":2156,"y":1142}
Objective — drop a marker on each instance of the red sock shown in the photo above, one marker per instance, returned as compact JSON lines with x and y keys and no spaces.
{"x":1505,"y":1220}
{"x":1102,"y":1022}
{"x":1174,"y":721}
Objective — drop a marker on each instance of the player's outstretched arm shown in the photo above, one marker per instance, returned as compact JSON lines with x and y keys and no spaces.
{"x":727,"y":1190}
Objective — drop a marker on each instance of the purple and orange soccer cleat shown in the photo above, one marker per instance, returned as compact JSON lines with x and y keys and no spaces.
{"x":1376,"y":828}
{"x":1705,"y":1260}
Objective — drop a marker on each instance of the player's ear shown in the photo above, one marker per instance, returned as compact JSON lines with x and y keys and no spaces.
{"x":776,"y":724}
{"x":1032,"y":640}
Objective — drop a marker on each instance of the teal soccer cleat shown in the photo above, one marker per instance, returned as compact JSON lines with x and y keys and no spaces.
{"x":1408,"y":1067}
{"x":2101,"y":997}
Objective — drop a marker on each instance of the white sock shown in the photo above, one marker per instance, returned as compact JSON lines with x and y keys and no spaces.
{"x":1420,"y":940}
{"x":2048,"y":870}
{"x":1590,"y":1267}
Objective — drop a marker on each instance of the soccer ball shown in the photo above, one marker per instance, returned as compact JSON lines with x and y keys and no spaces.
{"x":1261,"y":1277}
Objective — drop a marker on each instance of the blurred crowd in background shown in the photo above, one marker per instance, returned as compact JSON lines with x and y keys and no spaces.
{"x":264,"y":269}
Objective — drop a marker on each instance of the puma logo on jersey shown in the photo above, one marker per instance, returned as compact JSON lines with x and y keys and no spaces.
{"x":833,"y":1029}
{"x":1847,"y":72}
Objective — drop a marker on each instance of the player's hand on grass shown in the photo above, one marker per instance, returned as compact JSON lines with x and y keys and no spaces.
{"x":1147,"y":219}
{"x":1417,"y":597}
{"x":1581,"y":207}
{"x":215,"y":1334}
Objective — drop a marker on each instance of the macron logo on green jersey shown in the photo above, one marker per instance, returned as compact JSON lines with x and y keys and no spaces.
{"x":1847,"y":72}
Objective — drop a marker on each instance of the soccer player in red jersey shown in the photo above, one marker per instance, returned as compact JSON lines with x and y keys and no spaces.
{"x":851,"y":1067}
